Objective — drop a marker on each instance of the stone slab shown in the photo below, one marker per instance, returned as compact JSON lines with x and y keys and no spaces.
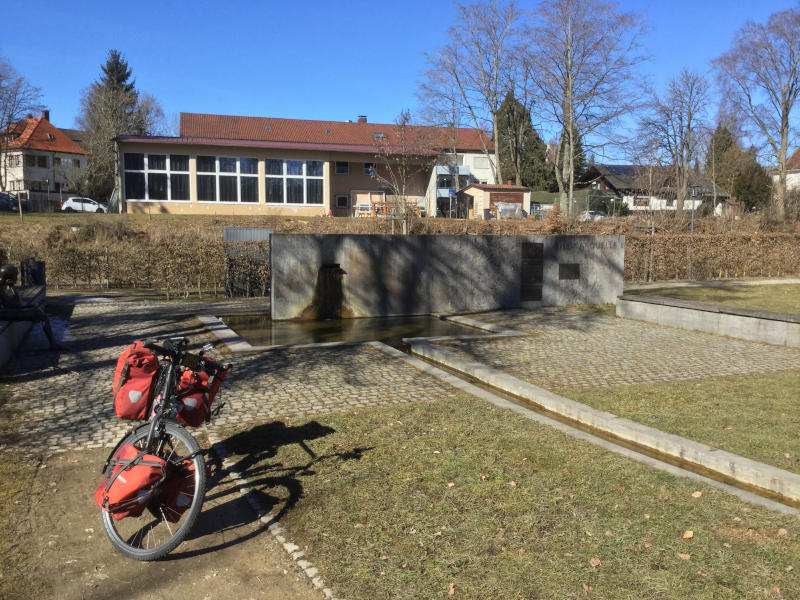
{"x":754,"y":325}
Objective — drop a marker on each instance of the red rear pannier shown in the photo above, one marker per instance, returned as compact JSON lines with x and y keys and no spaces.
{"x":178,"y":491}
{"x":128,"y":488}
{"x":134,"y":380}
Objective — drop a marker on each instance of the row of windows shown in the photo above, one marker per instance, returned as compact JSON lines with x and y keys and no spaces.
{"x":222,"y":179}
{"x":41,"y":161}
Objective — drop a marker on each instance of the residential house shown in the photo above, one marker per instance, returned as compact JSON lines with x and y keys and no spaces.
{"x":221,"y":164}
{"x":643,"y":188}
{"x":38,"y":159}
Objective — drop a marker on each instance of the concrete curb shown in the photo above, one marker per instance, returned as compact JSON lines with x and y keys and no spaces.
{"x":728,"y":465}
{"x":756,"y":326}
{"x":267,"y":518}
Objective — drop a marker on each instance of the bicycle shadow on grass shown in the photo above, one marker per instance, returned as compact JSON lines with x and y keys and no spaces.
{"x":277,"y":487}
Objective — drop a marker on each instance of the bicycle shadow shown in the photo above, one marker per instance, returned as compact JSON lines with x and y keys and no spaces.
{"x":252,"y":451}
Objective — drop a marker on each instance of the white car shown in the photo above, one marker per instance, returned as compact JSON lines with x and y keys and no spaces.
{"x":78,"y":204}
{"x":591,"y":215}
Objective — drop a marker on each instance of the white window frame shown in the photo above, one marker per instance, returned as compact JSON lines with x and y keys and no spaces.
{"x":305,"y":177}
{"x":237,"y":174}
{"x":166,"y":171}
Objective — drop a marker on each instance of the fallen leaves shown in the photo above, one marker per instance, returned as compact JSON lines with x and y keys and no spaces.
{"x":782,"y":531}
{"x":451,"y":589}
{"x":683,"y":556}
{"x":595,"y":562}
{"x":688,"y":534}
{"x":697,"y":494}
{"x":451,"y":484}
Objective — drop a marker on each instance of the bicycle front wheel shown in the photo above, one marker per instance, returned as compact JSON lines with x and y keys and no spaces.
{"x":165,"y":523}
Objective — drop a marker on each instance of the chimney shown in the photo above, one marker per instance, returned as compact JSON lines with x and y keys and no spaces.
{"x":46,"y":115}
{"x":362,"y":118}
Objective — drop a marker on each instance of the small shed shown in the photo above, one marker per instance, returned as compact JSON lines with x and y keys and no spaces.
{"x":482,"y":200}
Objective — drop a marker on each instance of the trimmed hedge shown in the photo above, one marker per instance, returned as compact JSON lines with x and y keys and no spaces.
{"x":187,"y":257}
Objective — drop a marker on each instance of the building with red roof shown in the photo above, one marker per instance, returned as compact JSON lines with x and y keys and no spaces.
{"x":259,"y":165}
{"x":36,"y":156}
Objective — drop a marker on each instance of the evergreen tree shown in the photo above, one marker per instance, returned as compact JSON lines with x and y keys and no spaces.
{"x":522,"y":151}
{"x":112,"y":107}
{"x":737,"y":170}
{"x":116,"y":73}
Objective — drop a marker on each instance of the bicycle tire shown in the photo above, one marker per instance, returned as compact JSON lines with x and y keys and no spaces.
{"x":151,"y":536}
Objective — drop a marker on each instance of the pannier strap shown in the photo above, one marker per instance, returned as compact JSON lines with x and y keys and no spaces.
{"x":125,"y":464}
{"x":123,"y":376}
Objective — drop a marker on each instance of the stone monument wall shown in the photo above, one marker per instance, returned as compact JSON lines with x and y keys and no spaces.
{"x":382,"y":275}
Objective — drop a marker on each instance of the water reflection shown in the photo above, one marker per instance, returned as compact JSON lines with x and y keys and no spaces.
{"x":260,"y":330}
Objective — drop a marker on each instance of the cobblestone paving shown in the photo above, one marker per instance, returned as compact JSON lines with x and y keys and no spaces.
{"x":66,"y":402}
{"x":571,"y":348}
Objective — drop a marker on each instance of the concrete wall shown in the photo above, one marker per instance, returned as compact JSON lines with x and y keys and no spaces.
{"x":395,"y":275}
{"x":758,"y":326}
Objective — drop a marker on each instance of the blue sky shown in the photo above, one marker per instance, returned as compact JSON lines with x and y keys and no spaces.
{"x":311,"y":60}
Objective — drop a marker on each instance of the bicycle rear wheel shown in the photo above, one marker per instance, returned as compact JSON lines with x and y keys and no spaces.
{"x":160,"y":528}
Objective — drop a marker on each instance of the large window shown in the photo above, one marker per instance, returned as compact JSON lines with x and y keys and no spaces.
{"x":293,"y":181}
{"x":227,"y":179}
{"x":156,"y":177}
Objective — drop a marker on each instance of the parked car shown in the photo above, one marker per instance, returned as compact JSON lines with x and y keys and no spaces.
{"x":9,"y":201}
{"x":591,"y":215}
{"x":79,"y":204}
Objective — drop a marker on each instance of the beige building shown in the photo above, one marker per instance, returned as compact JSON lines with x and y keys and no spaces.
{"x":250,"y":165}
{"x":37,"y":158}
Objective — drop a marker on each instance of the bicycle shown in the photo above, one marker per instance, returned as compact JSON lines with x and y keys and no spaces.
{"x":173,"y":503}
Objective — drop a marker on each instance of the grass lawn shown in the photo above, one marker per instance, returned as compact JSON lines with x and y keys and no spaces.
{"x":460,"y":499}
{"x":779,"y":298}
{"x":755,"y":416}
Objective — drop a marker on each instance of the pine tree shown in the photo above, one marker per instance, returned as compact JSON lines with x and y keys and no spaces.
{"x":116,"y":73}
{"x":522,"y":151}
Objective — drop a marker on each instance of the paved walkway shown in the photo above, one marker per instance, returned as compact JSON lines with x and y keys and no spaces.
{"x":66,"y":398}
{"x":570,"y":348}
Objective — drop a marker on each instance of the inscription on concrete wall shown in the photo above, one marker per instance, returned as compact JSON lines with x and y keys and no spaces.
{"x":394,"y":275}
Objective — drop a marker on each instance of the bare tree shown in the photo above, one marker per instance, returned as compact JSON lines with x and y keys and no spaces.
{"x":674,"y":126}
{"x":760,"y":79}
{"x":403,"y":155}
{"x":17,"y":98}
{"x":474,"y":64}
{"x":583,"y":54}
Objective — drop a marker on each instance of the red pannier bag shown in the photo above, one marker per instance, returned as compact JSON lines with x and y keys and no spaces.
{"x":134,"y":380}
{"x":192,"y":391}
{"x":128,"y":489}
{"x":178,"y":491}
{"x":197,"y":391}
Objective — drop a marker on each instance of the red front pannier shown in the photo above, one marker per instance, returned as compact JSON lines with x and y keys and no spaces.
{"x":134,"y":380}
{"x":128,"y":488}
{"x":197,"y":391}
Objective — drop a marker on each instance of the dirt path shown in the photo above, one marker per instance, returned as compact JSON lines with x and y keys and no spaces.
{"x":62,"y":552}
